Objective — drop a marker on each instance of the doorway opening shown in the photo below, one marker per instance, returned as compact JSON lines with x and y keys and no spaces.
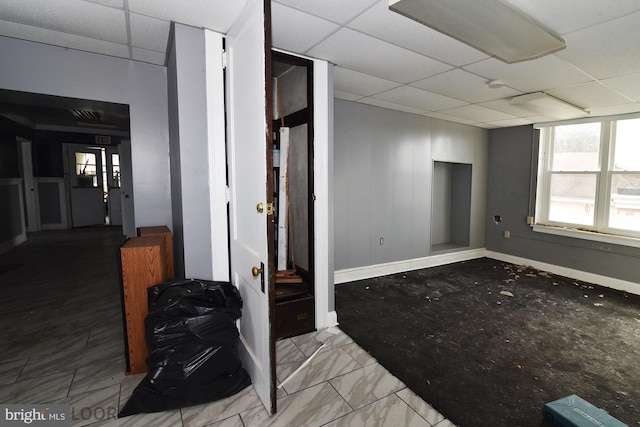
{"x":293,"y":195}
{"x":77,"y":189}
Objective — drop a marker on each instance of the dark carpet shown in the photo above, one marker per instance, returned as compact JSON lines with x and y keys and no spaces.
{"x":5,"y":268}
{"x":488,"y":343}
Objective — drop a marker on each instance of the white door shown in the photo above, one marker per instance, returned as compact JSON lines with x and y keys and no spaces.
{"x":114,"y":184}
{"x":86,"y":193}
{"x":247,"y":97}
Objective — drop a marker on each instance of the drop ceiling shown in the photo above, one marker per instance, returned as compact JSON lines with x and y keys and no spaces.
{"x":381,"y":57}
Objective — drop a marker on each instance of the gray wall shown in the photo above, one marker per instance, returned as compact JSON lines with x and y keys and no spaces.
{"x":11,"y":214}
{"x":192,"y":170}
{"x":383,"y":182}
{"x":510,"y":168}
{"x":50,"y":70}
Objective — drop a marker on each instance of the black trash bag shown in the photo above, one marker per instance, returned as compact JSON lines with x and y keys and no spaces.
{"x":193,"y":297}
{"x":186,"y":377}
{"x":193,"y":341}
{"x":214,"y":328}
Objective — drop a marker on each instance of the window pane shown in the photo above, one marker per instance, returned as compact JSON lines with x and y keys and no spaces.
{"x":576,"y":147}
{"x":572,"y":198}
{"x":625,"y":202}
{"x":627,"y":146}
{"x":86,"y":170}
{"x":115,"y":168}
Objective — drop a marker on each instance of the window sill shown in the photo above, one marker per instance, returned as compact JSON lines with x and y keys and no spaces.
{"x":587,"y":235}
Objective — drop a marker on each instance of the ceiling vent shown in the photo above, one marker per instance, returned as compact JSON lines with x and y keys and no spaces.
{"x":86,"y":116}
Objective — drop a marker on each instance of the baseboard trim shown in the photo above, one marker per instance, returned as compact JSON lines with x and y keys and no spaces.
{"x":332,"y":319}
{"x":13,"y":242}
{"x":360,"y":273}
{"x":606,"y":281}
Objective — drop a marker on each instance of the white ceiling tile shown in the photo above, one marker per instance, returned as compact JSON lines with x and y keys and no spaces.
{"x":391,"y":105}
{"x":589,"y":95}
{"x":217,"y":15}
{"x":150,"y":56}
{"x":541,"y":119}
{"x":570,"y":15}
{"x":627,"y":85}
{"x":418,"y":98}
{"x":608,"y":50}
{"x":56,"y":38}
{"x":615,"y":109}
{"x":477,"y":113}
{"x":504,"y":106}
{"x":441,"y":116}
{"x":530,"y":76}
{"x":339,"y":11}
{"x":346,"y":96}
{"x":119,"y":4}
{"x":359,"y":83}
{"x":360,"y":52}
{"x":465,"y":86}
{"x":76,"y":17}
{"x":297,"y":31}
{"x":511,"y":122}
{"x":486,"y":125}
{"x":382,"y":23}
{"x":149,"y":33}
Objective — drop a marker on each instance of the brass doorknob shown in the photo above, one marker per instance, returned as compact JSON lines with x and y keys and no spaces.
{"x":260,"y":207}
{"x":256,"y":271}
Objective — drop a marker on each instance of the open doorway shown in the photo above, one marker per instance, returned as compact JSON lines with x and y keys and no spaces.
{"x":293,"y":195}
{"x":94,"y":184}
{"x":70,"y":151}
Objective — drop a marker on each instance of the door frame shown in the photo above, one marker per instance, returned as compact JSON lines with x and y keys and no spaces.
{"x":26,"y":169}
{"x":114,"y":192}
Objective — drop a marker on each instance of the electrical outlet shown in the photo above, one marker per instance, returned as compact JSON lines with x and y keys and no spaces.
{"x":507,"y":234}
{"x":382,"y":240}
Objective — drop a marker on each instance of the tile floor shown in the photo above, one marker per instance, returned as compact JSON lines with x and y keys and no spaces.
{"x":63,"y":344}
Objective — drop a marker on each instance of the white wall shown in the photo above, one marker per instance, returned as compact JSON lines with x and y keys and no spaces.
{"x":39,"y":68}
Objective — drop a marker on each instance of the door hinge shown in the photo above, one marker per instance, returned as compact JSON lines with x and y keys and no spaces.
{"x":227,"y":194}
{"x":224,"y":59}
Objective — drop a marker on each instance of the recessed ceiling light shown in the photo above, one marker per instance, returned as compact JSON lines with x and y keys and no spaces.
{"x":490,"y":26}
{"x":540,"y":103}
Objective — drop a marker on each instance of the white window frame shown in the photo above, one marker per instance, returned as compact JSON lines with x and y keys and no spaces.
{"x":600,"y":230}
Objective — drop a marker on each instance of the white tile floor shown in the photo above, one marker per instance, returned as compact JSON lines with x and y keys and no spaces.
{"x":63,"y":349}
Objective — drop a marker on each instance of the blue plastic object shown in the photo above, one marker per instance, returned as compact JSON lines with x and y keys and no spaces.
{"x":574,"y":411}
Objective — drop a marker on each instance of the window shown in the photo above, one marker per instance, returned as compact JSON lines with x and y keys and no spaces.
{"x":86,"y":170}
{"x":115,"y":170}
{"x":589,"y":177}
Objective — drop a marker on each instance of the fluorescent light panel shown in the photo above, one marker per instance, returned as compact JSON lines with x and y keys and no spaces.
{"x":540,"y":103}
{"x":490,"y":26}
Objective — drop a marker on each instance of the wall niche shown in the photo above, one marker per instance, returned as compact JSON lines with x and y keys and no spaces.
{"x":451,"y":207}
